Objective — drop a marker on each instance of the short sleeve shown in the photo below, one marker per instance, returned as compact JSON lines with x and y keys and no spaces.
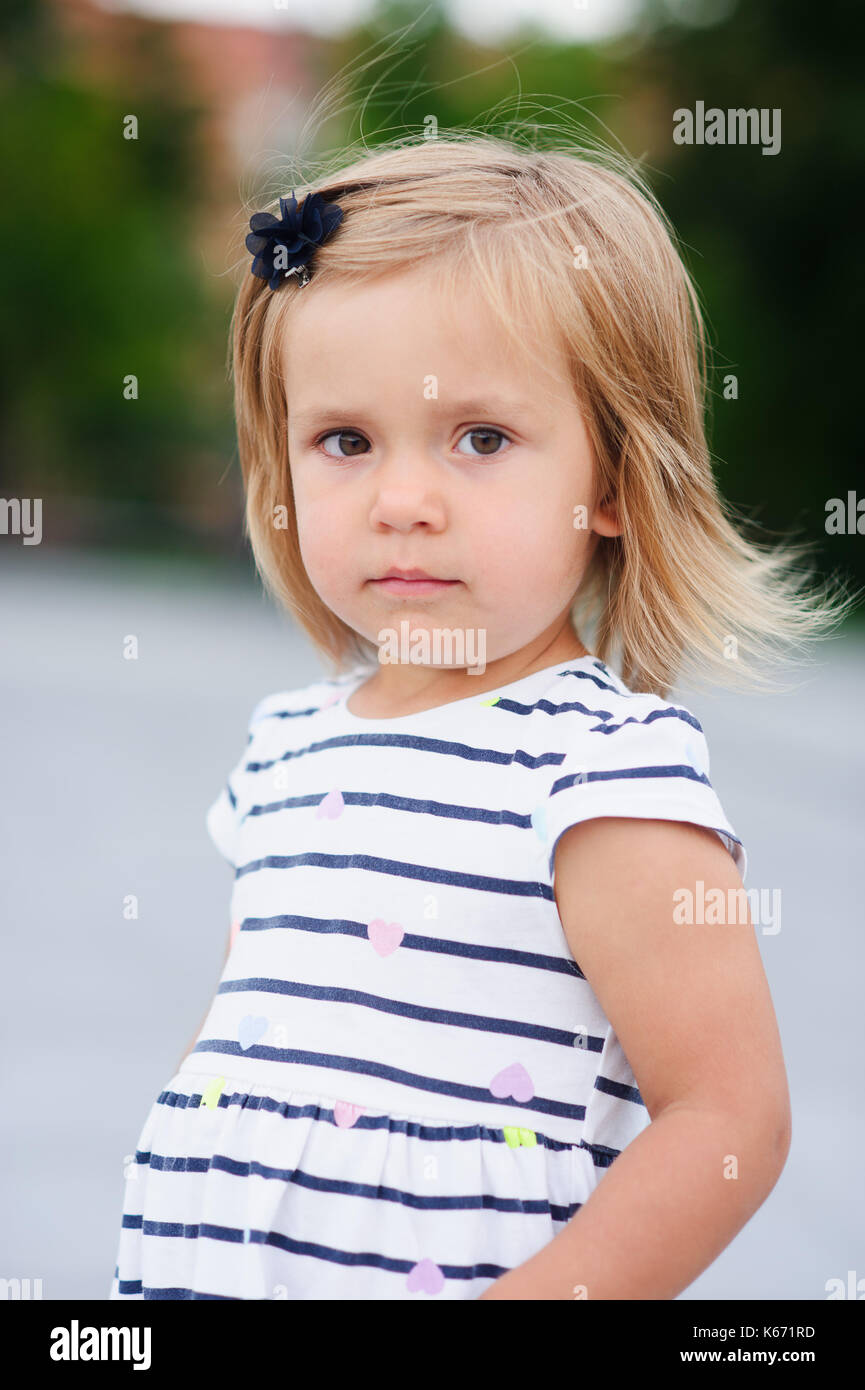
{"x":653,"y":765}
{"x":224,"y":814}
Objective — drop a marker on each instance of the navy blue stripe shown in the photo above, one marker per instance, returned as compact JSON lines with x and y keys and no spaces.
{"x":628,"y":773}
{"x":536,"y":1206}
{"x":587,"y":676}
{"x":618,"y":1089}
{"x":673,"y":713}
{"x":604,"y":715}
{"x":365,"y":1067}
{"x":427,"y":1133}
{"x":130,"y":1287}
{"x":135,"y":1286}
{"x":415,"y":742}
{"x":447,"y":809}
{"x":547,"y":707}
{"x":421,"y":1013}
{"x":190,"y":1293}
{"x":480,"y":814}
{"x":413,"y":941}
{"x":602,"y":1154}
{"x":427,"y":873}
{"x":365,"y":1259}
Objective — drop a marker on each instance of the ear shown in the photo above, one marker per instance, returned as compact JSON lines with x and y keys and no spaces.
{"x":606,"y":520}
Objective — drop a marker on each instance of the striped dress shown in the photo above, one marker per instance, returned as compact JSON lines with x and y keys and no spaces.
{"x":405,"y":1085}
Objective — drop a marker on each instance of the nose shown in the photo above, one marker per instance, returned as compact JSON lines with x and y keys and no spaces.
{"x":408,"y":492}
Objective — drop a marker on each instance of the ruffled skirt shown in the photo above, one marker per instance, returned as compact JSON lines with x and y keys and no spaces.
{"x":249,"y":1192}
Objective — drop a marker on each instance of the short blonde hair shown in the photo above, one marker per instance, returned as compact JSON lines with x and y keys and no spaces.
{"x":681,"y":580}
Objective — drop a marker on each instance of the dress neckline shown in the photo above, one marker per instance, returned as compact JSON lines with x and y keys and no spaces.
{"x":437,"y":712}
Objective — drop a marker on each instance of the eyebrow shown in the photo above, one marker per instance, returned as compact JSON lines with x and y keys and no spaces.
{"x":479,"y":407}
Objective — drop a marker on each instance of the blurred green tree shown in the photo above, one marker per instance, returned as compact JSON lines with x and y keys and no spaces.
{"x":97,"y":276}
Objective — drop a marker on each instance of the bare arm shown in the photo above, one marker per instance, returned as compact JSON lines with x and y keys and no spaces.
{"x":692,"y":1010}
{"x":207,"y":1010}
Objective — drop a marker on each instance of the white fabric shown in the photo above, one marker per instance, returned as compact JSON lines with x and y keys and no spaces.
{"x":400,"y":951}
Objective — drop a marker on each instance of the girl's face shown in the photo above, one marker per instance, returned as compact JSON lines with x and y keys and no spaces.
{"x":419,"y":439}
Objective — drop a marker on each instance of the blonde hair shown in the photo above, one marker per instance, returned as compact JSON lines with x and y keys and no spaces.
{"x":681,"y":580}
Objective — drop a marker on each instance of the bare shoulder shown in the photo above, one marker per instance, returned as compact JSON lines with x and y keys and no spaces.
{"x":690,"y":1003}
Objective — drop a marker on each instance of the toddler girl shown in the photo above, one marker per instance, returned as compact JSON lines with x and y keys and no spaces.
{"x":460,"y":980}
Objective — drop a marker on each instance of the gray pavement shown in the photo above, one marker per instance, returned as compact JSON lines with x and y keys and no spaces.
{"x":107,"y":768}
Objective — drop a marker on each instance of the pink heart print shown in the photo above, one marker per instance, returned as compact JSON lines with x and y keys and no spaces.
{"x":331,"y":806}
{"x":385,"y":936}
{"x":513,"y":1081}
{"x":345,"y":1113}
{"x":425,"y":1277}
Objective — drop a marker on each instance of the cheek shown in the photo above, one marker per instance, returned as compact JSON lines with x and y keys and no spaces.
{"x":535,"y":539}
{"x":322,"y":547}
{"x":564,"y":521}
{"x":323,"y":556}
{"x":321,"y":520}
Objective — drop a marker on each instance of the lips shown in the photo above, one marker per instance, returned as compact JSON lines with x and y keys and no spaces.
{"x":413,"y":583}
{"x":413,"y":574}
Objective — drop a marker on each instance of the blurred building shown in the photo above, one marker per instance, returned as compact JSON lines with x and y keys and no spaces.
{"x":248,"y":92}
{"x":252,"y":86}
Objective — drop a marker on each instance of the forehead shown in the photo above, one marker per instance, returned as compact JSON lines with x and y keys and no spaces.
{"x":406,"y":325}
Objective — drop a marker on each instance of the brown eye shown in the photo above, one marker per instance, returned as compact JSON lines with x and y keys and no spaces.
{"x":486,"y":441}
{"x":356,"y":444}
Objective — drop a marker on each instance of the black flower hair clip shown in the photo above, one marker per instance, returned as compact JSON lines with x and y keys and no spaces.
{"x":283,"y":246}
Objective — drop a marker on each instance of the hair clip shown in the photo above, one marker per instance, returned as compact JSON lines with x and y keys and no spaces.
{"x":283,"y":246}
